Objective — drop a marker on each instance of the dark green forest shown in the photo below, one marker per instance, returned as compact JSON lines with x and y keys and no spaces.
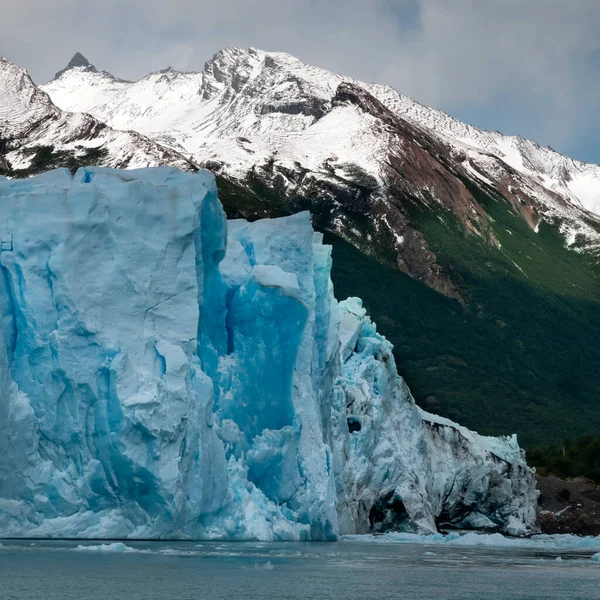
{"x":571,"y":458}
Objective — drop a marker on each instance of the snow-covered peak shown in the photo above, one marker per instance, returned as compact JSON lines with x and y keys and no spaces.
{"x":243,"y":81}
{"x":251,"y":69}
{"x":79,"y":87}
{"x":150,"y":104}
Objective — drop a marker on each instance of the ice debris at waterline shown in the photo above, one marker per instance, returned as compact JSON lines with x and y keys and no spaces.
{"x":557,"y":542}
{"x":163,"y":378}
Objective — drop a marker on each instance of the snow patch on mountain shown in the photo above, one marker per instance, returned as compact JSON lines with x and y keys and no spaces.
{"x":93,"y":87}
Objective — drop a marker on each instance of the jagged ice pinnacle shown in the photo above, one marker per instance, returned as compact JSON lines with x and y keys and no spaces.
{"x":166,"y":374}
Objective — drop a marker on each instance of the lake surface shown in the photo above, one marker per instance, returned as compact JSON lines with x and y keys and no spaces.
{"x":347,"y":570}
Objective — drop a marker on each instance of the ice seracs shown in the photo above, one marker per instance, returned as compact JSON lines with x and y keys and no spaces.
{"x":165,"y":374}
{"x":406,"y":469}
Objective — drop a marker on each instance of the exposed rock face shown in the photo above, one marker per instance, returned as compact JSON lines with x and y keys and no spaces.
{"x":569,"y":506}
{"x":78,"y":61}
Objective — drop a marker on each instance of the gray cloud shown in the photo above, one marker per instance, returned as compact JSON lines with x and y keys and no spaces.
{"x":523,"y":66}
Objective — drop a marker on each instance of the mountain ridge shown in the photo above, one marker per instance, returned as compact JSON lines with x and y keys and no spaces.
{"x":31,"y":122}
{"x":397,"y":102}
{"x":247,"y":106}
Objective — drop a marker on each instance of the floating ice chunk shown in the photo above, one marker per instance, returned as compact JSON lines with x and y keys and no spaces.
{"x":551,"y":543}
{"x":115,"y":547}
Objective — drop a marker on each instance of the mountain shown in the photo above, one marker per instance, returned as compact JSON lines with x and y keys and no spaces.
{"x":40,"y":135}
{"x":485,"y":246}
{"x":255,"y":93}
{"x":99,"y":85}
{"x":268,"y":119}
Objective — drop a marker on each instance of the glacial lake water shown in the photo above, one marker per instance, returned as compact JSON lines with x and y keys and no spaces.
{"x":347,"y":570}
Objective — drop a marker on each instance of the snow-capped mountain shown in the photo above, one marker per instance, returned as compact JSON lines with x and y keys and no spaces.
{"x":260,"y":94}
{"x":99,"y":85}
{"x":356,"y":154}
{"x":29,"y":120}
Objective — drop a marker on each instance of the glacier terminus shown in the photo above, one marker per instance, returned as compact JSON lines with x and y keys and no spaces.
{"x":167,"y":374}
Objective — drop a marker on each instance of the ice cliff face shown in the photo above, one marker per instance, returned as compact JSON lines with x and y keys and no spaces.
{"x":166,"y":374}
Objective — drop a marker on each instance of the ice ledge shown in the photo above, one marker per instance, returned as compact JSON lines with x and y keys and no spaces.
{"x":272,"y":276}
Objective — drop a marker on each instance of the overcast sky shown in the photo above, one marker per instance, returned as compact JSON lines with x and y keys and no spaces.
{"x":530,"y":67}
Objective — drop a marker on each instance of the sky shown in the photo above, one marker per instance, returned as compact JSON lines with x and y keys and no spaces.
{"x":527,"y":67}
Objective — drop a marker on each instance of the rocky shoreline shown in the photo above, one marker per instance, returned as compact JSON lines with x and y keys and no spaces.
{"x":568,"y":506}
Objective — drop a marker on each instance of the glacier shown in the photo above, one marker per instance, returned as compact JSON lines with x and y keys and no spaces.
{"x":167,"y":374}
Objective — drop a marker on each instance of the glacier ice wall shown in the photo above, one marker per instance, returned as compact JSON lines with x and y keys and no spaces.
{"x":166,"y":374}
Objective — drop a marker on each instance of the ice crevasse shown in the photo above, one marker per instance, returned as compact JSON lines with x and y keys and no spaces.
{"x":167,"y":374}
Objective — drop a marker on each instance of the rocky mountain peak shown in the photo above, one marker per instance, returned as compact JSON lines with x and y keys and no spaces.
{"x":235,"y":67}
{"x":230,"y":67}
{"x":78,"y":60}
